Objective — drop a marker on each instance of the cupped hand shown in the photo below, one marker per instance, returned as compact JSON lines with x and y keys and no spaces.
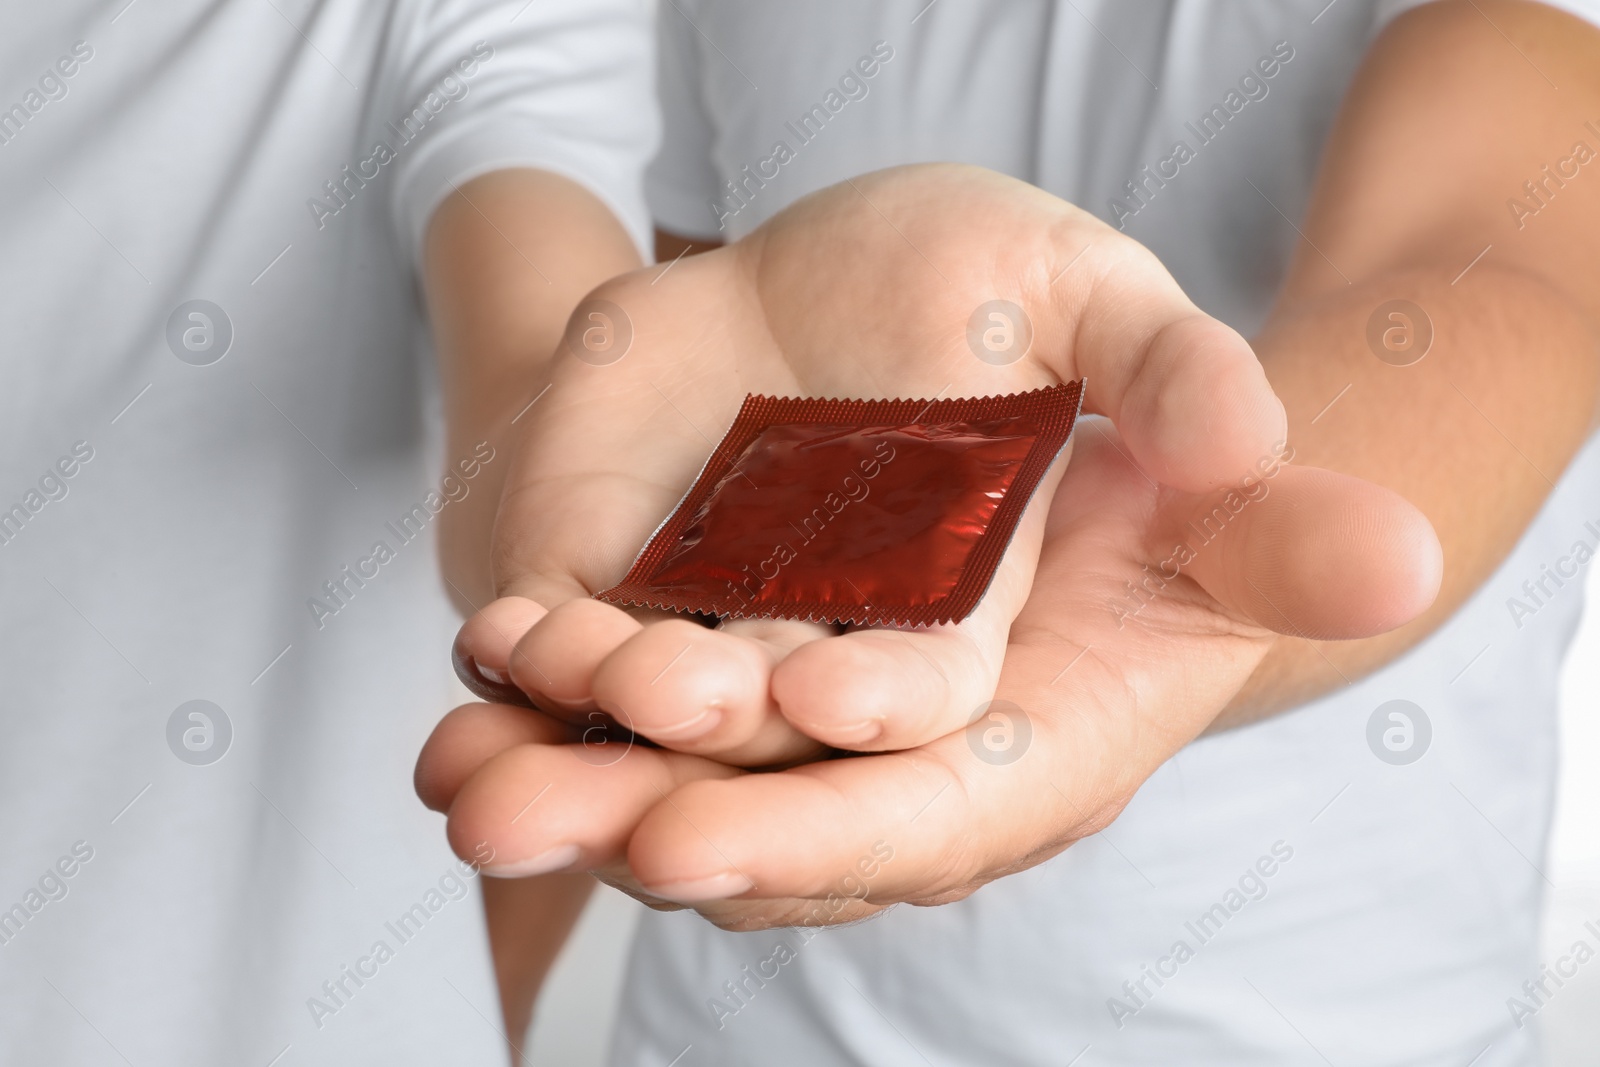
{"x":869,"y":289}
{"x":1108,"y":673}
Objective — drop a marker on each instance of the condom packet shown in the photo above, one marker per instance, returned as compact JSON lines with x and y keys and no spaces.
{"x":867,"y":512}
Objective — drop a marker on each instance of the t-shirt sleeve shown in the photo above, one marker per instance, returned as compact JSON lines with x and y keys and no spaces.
{"x":682,"y":183}
{"x":558,"y":85}
{"x":1388,"y":10}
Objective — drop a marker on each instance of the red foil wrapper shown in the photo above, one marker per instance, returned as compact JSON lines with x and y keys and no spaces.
{"x":854,"y":511}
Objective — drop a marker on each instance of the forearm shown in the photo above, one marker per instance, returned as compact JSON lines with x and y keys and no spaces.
{"x":507,"y":259}
{"x":1477,"y":431}
{"x":529,"y":920}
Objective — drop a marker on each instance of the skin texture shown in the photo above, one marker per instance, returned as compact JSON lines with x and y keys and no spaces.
{"x":1327,"y":576}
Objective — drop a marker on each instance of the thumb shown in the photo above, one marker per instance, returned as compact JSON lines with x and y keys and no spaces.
{"x":1313,"y":553}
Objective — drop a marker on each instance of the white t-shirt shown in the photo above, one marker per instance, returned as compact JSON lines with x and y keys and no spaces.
{"x":1278,"y":894}
{"x":178,"y":481}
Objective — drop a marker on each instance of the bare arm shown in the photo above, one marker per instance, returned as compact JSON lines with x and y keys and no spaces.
{"x":1452,"y":114}
{"x":1444,"y":124}
{"x":507,"y":259}
{"x":529,"y":920}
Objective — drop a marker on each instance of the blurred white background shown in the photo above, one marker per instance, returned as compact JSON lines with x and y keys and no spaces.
{"x":575,"y":1013}
{"x":1572,"y":1021}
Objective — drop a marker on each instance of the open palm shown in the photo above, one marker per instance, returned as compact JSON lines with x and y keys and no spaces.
{"x":863,"y":290}
{"x":1100,"y":687}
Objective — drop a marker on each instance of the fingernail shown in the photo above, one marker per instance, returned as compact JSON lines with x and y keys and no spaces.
{"x":491,"y":685}
{"x":698,"y":726}
{"x":854,"y":734}
{"x":547,"y":862}
{"x":699,"y":890}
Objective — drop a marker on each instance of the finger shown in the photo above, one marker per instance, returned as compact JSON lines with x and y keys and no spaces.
{"x":555,"y":660}
{"x":469,"y":737}
{"x":699,"y":690}
{"x":1318,"y":554}
{"x":744,"y":916}
{"x":483,"y":648}
{"x":545,"y":808}
{"x":882,"y":828}
{"x":1186,"y":391}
